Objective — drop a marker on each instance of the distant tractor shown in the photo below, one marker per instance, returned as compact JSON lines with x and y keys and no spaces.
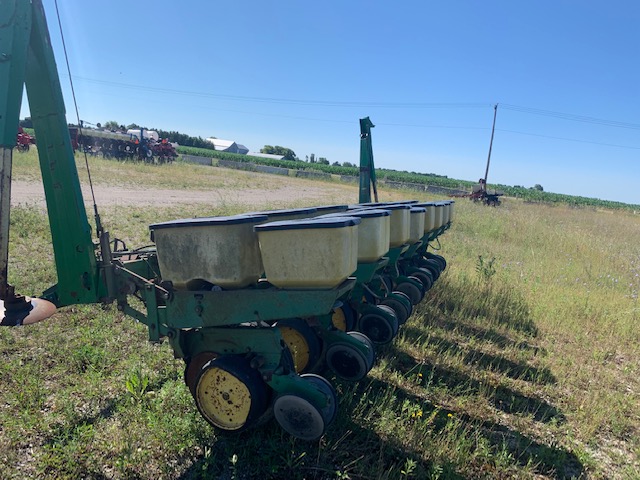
{"x":23,"y":140}
{"x":479,"y":193}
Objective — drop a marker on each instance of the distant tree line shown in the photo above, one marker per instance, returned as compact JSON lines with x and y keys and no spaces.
{"x":287,"y":153}
{"x":184,"y":139}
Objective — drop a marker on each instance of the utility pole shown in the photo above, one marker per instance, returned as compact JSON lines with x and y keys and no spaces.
{"x":493,"y":129}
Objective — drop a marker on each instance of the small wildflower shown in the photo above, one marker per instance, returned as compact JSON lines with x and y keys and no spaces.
{"x":449,"y":415}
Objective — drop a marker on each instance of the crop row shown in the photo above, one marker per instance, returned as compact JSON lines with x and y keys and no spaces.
{"x":527,"y":194}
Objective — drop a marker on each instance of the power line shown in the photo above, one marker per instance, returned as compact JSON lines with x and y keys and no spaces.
{"x":287,"y":101}
{"x":568,"y":139}
{"x":570,"y":116}
{"x":329,"y":103}
{"x":368,"y":104}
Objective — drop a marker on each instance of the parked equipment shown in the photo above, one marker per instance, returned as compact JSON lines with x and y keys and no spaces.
{"x":23,"y":140}
{"x":122,"y":146}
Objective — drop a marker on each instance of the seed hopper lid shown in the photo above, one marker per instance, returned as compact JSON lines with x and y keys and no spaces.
{"x":367,"y":205}
{"x":395,"y":206}
{"x":425,"y":204}
{"x":324,"y":208}
{"x":281,"y":213}
{"x":418,"y":209}
{"x":325,"y":221}
{"x":209,"y":221}
{"x":402,"y":202}
{"x":369,"y":212}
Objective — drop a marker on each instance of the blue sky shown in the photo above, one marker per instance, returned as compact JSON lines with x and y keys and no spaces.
{"x":300,"y":74}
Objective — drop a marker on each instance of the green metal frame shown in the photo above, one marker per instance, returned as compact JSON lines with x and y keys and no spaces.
{"x":367,"y":168}
{"x":28,"y":61}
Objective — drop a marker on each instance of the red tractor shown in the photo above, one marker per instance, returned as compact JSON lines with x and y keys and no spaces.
{"x":23,"y":140}
{"x":164,"y":151}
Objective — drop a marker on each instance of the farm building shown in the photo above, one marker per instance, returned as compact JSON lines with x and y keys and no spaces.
{"x":228,"y":146}
{"x":266,"y":155}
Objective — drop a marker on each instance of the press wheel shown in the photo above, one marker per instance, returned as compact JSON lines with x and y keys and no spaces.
{"x":347,"y":362}
{"x":299,"y":417}
{"x":230,"y":394}
{"x":379,"y":328}
{"x":438,"y":258}
{"x":425,"y":276}
{"x":414,"y":292}
{"x":434,"y":267}
{"x":194,"y":366}
{"x":401,"y":310}
{"x":330,"y":411}
{"x":302,"y":341}
{"x":371,"y":355}
{"x":343,"y":318}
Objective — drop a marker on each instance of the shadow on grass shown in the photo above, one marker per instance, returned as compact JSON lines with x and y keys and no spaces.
{"x":553,"y":461}
{"x":497,"y":303}
{"x":477,"y":358}
{"x":502,"y":398}
{"x":349,"y":449}
{"x":485,"y":334}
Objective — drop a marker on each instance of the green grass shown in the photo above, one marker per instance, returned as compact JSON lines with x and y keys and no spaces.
{"x":521,"y":364}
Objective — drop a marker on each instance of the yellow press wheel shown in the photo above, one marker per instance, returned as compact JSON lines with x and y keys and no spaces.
{"x":194,"y":366}
{"x":343,"y":317}
{"x":302,"y":342}
{"x":230,"y":394}
{"x":339,"y":319}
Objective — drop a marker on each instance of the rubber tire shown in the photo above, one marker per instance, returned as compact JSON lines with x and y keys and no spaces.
{"x":238,"y":367}
{"x":438,"y":258}
{"x":330,"y":412}
{"x":193,"y":367}
{"x":415,"y":293}
{"x":434,"y":267}
{"x":299,"y":417}
{"x":347,"y":362}
{"x":425,"y":277}
{"x":400,"y":309}
{"x":379,"y":329}
{"x":371,"y":356}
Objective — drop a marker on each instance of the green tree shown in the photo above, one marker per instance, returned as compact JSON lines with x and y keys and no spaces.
{"x":111,"y":125}
{"x":538,"y":187}
{"x":286,"y":153}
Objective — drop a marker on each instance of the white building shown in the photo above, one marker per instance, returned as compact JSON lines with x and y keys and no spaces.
{"x":228,"y":146}
{"x":266,"y":155}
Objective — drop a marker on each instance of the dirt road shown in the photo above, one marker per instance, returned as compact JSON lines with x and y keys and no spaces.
{"x":318,"y":193}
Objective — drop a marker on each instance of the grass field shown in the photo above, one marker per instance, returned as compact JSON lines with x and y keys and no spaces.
{"x":523,"y":361}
